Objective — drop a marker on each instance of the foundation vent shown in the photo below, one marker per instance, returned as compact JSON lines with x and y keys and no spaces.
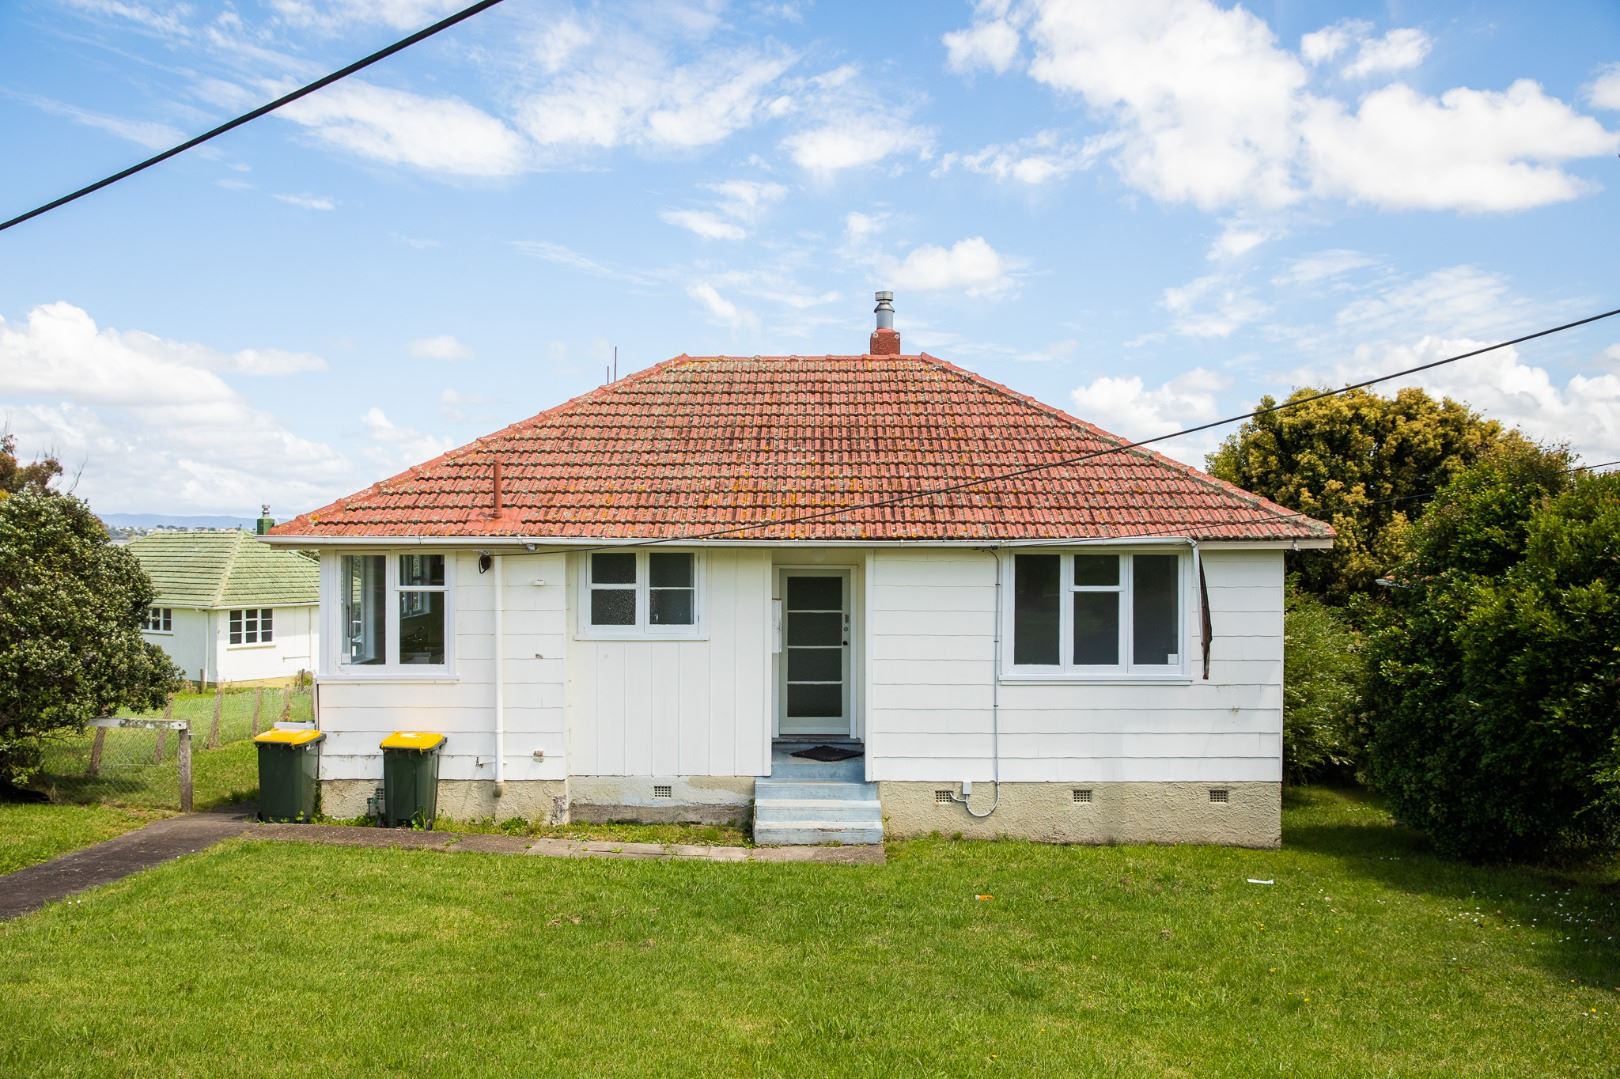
{"x":663,"y":790}
{"x":943,"y":798}
{"x":1218,"y":795}
{"x":1082,"y":796}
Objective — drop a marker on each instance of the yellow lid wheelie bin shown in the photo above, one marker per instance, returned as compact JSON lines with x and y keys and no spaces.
{"x":289,"y":774}
{"x":411,"y":778}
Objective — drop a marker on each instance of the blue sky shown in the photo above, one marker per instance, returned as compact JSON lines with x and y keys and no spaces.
{"x":1148,"y":214}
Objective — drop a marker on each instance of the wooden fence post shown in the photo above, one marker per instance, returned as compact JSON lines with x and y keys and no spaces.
{"x":185,"y":769}
{"x":95,"y":752}
{"x":162,"y":734}
{"x":258,"y":706}
{"x":213,"y":728}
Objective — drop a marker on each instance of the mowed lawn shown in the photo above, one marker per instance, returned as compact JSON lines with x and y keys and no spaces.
{"x":1368,"y":956}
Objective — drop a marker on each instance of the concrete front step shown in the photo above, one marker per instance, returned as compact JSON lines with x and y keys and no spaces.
{"x":809,"y":832}
{"x":826,"y":789}
{"x":860,"y":811}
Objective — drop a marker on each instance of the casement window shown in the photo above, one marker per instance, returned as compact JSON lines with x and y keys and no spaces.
{"x":1097,"y":614}
{"x":639,"y":594}
{"x":252,"y":626}
{"x":394,"y":612}
{"x":159,"y":620}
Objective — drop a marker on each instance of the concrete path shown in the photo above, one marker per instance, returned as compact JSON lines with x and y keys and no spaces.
{"x":353,"y":836}
{"x":30,"y":888}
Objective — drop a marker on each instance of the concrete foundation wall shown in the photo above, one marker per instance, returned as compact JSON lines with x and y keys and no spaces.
{"x":697,"y":799}
{"x":1117,"y":813}
{"x":543,"y":800}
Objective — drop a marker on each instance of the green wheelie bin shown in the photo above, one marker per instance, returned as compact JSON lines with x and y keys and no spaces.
{"x":411,"y":778}
{"x":289,"y":774}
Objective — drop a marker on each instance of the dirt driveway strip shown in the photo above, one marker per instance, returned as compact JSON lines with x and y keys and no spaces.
{"x":30,"y":888}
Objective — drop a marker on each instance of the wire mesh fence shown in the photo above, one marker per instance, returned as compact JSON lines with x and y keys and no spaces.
{"x":137,"y":760}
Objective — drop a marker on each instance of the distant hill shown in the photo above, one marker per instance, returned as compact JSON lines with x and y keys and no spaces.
{"x":166,"y":520}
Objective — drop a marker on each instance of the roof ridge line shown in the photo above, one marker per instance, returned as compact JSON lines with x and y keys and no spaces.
{"x":1124,"y":444}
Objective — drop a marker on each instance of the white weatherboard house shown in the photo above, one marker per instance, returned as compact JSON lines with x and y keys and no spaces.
{"x":230,"y":609}
{"x":641,"y":603}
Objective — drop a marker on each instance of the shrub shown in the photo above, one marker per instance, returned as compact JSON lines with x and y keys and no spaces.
{"x":1493,"y":686}
{"x":1320,"y":683}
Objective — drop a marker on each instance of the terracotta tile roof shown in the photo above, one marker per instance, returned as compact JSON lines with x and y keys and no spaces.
{"x":705,"y":444}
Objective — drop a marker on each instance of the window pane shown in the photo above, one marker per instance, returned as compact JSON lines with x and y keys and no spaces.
{"x":810,"y":699}
{"x":669,"y":570}
{"x":236,"y":634}
{"x":670,"y":607}
{"x":365,"y":626}
{"x":1035,"y":608}
{"x":824,"y":629}
{"x":613,"y":569}
{"x":1096,"y":569}
{"x":1155,"y":607}
{"x":815,"y":664}
{"x":264,"y":625}
{"x":815,"y":594}
{"x":421,"y":627}
{"x":419,"y":569}
{"x":613,"y":606}
{"x":1096,"y":628}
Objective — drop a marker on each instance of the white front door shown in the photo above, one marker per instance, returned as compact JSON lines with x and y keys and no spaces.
{"x":813,"y":682}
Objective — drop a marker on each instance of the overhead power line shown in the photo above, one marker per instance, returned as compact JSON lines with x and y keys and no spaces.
{"x":908,"y":496}
{"x":302,"y":91}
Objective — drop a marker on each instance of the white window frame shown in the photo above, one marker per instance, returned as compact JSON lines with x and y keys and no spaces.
{"x":259,"y":639}
{"x":164,"y":616}
{"x":332,"y":650}
{"x":1125,"y":670}
{"x":642,"y":630}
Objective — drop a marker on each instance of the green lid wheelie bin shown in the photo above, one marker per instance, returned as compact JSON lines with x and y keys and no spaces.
{"x":289,"y":774}
{"x":411,"y":778}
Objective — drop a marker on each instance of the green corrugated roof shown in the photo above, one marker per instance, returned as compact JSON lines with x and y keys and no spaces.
{"x":224,"y":569}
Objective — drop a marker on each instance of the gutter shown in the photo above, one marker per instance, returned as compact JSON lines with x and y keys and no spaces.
{"x":532,"y":543}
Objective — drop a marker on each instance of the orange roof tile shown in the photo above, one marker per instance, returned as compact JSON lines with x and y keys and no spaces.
{"x":800,"y":448}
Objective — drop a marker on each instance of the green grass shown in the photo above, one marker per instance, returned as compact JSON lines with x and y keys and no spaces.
{"x":1368,"y":956}
{"x":703,"y":835}
{"x":38,"y":833}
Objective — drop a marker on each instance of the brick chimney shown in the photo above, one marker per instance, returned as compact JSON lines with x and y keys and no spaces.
{"x":885,"y":339}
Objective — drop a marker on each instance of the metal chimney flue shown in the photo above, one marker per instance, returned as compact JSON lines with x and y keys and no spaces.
{"x":885,"y":339}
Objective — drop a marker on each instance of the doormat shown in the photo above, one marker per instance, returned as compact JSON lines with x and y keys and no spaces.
{"x":828,"y":754}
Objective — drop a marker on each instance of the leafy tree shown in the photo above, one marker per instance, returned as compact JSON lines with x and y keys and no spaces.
{"x":71,"y":607}
{"x":1364,"y":463}
{"x":16,"y":477}
{"x":1493,"y":689}
{"x":1320,"y":688}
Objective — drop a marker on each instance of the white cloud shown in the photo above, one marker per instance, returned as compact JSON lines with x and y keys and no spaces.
{"x":148,"y":133}
{"x":1212,"y":306}
{"x":396,"y":447}
{"x":444,"y":348}
{"x":1397,"y":50}
{"x":708,"y":225}
{"x":1603,"y":92}
{"x":308,"y":202}
{"x":1474,"y":150}
{"x":1126,"y":407}
{"x":152,"y":422}
{"x":560,"y":42}
{"x":860,"y":227}
{"x":458,"y":406}
{"x":1202,"y":105}
{"x":1038,"y":159}
{"x":1237,"y":238}
{"x":332,"y":16}
{"x":1310,"y":269}
{"x":971,"y":266}
{"x":854,"y":141}
{"x":990,"y":43}
{"x":1451,"y":301}
{"x":437,"y":134}
{"x":170,"y":21}
{"x":720,"y":308}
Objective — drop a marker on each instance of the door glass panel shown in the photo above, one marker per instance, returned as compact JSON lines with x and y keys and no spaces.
{"x":815,"y":593}
{"x":815,"y":699}
{"x":613,"y":606}
{"x":818,"y":628}
{"x":1154,"y":613}
{"x":1035,"y":609}
{"x":421,"y":627}
{"x":815,"y":664}
{"x":1096,"y":628}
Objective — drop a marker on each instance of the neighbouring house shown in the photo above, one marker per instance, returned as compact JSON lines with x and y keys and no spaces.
{"x":230,"y":609}
{"x":644,"y":602}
